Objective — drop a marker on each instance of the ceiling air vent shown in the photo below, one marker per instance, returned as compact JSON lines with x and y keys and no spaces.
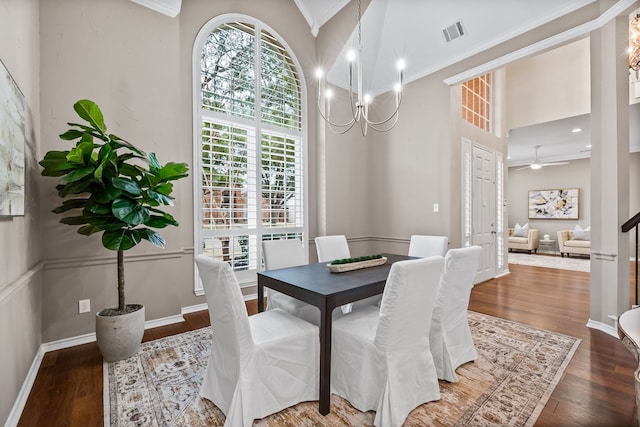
{"x":454,"y":31}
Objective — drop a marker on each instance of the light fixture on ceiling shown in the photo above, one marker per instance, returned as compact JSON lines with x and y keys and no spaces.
{"x":359,"y":101}
{"x":576,"y":130}
{"x":537,"y":164}
{"x":634,"y":43}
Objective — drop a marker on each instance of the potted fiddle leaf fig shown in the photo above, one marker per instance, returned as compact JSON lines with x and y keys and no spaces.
{"x":111,"y":187}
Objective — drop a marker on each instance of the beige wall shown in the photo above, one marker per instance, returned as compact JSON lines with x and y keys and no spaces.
{"x":576,"y":174}
{"x":20,"y":254}
{"x":136,"y":64}
{"x":563,"y":73}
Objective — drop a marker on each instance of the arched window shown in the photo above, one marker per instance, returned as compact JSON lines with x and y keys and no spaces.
{"x":249,"y":142}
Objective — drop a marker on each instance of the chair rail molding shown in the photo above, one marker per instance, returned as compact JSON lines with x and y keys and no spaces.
{"x":24,"y":279}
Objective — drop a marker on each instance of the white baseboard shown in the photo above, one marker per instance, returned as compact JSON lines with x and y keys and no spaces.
{"x":21,"y":400}
{"x":203,"y":306}
{"x":23,"y":395}
{"x":193,"y":308}
{"x":603,"y":327}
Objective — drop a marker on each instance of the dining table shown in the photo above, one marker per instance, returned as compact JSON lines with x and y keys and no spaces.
{"x":315,"y":284}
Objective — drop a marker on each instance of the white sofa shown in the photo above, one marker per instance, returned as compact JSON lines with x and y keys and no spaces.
{"x":571,"y":246}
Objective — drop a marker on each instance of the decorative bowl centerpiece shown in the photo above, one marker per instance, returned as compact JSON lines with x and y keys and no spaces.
{"x":350,"y":264}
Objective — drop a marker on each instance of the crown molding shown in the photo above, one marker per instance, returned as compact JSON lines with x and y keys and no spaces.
{"x":171,"y":8}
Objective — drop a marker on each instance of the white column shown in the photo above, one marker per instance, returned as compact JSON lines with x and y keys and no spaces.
{"x":609,"y":174}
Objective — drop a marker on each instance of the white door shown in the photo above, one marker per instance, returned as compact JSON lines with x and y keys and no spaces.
{"x":483,"y":201}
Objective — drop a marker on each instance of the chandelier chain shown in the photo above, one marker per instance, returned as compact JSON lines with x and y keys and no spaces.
{"x":359,"y":26}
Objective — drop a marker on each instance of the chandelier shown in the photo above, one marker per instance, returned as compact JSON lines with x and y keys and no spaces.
{"x":634,"y":43}
{"x":359,"y":101}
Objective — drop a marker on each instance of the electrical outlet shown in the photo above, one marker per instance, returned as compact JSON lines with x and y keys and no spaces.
{"x":84,"y":306}
{"x":436,"y":207}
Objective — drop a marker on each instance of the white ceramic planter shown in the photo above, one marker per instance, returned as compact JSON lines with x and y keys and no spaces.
{"x":119,"y":337}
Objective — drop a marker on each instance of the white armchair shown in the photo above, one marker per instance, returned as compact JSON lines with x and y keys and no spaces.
{"x":381,"y":359}
{"x":258,"y":365}
{"x":529,"y":242}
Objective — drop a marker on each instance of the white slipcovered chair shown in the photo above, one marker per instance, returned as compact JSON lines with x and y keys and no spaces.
{"x":426,"y":246}
{"x":380,"y":359}
{"x":330,"y":248}
{"x":282,"y":254}
{"x":450,"y":336}
{"x":258,"y":365}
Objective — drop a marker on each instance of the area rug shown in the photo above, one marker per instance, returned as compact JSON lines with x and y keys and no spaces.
{"x":547,"y":261}
{"x":516,"y":371}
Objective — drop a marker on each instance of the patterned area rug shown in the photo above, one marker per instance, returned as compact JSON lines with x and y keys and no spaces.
{"x":547,"y":261}
{"x":516,"y":371}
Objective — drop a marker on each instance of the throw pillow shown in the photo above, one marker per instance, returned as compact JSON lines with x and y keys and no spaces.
{"x":580,"y":234}
{"x":521,"y":231}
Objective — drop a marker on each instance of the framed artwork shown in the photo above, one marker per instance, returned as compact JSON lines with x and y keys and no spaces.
{"x":554,"y":204}
{"x":12,"y":143}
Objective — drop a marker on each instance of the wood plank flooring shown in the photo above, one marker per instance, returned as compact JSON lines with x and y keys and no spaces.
{"x":596,"y":389}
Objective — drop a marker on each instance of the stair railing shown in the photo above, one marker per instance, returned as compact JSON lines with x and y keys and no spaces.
{"x":626,"y":227}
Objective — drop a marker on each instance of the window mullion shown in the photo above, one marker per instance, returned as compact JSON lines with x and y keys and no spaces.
{"x":258,"y":125}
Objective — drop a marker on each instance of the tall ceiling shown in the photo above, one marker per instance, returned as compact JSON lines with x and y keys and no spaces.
{"x":413,"y":30}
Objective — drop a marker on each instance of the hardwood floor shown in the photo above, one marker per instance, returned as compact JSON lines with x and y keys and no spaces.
{"x":596,"y":389}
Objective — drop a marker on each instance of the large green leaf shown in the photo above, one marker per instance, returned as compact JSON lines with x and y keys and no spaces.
{"x":154,"y":165}
{"x":81,"y":154}
{"x":87,"y":230}
{"x":127,"y":185}
{"x":76,"y":187}
{"x":131,"y":170}
{"x":130,"y":211}
{"x":120,"y":240}
{"x":106,"y":194}
{"x":119,"y":142}
{"x":172,"y":171}
{"x":98,"y":208}
{"x":105,"y":155}
{"x":71,"y":204}
{"x":151,"y":236}
{"x":78,"y":174}
{"x":74,"y":220}
{"x":104,"y":222}
{"x":89,"y":111}
{"x":166,"y":188}
{"x":55,"y":163}
{"x":159,"y":199}
{"x":157,"y":221}
{"x":71,"y":134}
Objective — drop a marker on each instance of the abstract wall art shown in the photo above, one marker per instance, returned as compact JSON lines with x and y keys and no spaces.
{"x":554,"y":204}
{"x":12,"y":143}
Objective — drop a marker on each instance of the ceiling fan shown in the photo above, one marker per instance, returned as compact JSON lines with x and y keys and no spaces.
{"x":536,"y":164}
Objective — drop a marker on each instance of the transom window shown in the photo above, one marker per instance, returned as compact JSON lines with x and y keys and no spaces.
{"x":476,"y":102}
{"x":249,"y":145}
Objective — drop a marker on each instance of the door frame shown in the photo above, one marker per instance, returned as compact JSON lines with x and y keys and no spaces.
{"x":468,"y":175}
